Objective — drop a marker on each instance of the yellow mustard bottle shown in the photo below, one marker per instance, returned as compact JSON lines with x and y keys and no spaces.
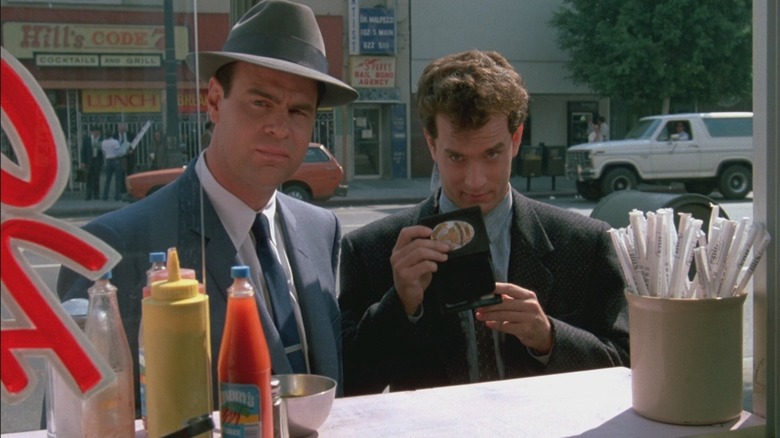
{"x":177,"y":352}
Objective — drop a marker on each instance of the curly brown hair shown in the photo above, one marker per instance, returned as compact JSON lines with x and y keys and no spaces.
{"x":468,"y":88}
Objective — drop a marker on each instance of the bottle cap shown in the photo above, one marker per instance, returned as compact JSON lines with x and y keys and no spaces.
{"x":106,"y":276}
{"x":176,"y":287}
{"x":155,"y":257}
{"x":239,"y":271}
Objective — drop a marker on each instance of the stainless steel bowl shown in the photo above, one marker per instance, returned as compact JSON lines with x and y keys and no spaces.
{"x":308,"y":398}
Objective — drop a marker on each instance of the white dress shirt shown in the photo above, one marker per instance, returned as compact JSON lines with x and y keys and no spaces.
{"x":237,"y":218}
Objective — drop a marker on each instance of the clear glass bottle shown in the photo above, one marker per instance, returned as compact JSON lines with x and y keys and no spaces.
{"x":156,"y":272}
{"x":111,"y":411}
{"x":63,"y":404}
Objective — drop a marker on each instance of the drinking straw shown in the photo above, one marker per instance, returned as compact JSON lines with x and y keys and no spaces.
{"x":735,"y":252}
{"x":758,"y":252}
{"x":702,"y":271}
{"x":717,"y":272}
{"x":639,"y":228}
{"x":637,"y":271}
{"x":694,"y":230}
{"x":623,"y":258}
{"x":693,"y":291}
{"x":714,"y":215}
{"x":713,"y":248}
{"x":676,"y":284}
{"x":668,"y":237}
{"x":652,"y":255}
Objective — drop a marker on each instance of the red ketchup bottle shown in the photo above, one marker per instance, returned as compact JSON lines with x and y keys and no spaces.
{"x":244,"y":366}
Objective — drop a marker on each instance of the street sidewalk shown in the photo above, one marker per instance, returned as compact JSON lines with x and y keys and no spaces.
{"x":361,"y":192}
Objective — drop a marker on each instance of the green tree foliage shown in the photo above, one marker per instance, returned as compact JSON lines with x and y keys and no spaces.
{"x":641,"y":50}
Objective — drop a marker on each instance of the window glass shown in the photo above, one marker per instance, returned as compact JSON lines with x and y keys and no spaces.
{"x":730,"y":127}
{"x":315,"y":155}
{"x":643,"y":130}
{"x":117,"y":68}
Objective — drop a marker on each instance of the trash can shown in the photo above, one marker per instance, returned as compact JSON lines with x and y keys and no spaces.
{"x":530,"y":161}
{"x":554,"y":161}
{"x":614,"y":209}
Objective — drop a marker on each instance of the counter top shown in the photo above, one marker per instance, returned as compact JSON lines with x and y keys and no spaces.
{"x":588,"y":404}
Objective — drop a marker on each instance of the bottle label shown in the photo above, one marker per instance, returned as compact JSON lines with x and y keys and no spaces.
{"x":142,"y":380}
{"x":240,"y":410}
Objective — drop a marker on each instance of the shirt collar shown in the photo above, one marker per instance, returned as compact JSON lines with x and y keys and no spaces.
{"x":497,"y":215}
{"x":236,"y":216}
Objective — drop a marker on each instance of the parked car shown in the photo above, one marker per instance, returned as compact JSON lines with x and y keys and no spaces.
{"x":317,"y":179}
{"x":704,"y":151}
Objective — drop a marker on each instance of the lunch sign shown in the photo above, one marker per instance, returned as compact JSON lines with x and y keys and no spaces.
{"x":29,"y":185}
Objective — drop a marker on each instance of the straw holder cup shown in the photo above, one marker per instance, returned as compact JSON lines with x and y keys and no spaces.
{"x":686,"y":358}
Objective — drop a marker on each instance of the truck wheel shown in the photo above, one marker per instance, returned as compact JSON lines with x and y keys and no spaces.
{"x":589,"y":190}
{"x":618,"y":179}
{"x":735,"y":182}
{"x":700,"y":186}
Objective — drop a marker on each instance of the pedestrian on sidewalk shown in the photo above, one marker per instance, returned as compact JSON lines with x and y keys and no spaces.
{"x":112,"y":150}
{"x":92,"y":161}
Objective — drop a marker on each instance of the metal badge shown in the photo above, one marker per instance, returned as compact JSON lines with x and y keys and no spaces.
{"x":455,"y":233}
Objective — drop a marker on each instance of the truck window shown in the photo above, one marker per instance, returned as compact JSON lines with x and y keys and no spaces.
{"x":729,"y":127}
{"x":676,"y":130}
{"x":642,"y":130}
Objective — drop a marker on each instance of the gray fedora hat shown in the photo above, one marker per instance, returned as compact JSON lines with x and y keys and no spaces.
{"x":279,"y":35}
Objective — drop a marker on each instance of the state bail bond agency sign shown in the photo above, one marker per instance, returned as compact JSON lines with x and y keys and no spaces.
{"x":372,"y":71}
{"x":91,"y":45}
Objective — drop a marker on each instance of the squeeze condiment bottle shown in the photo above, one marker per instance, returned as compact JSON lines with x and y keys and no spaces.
{"x":244,"y":367}
{"x":177,"y":352}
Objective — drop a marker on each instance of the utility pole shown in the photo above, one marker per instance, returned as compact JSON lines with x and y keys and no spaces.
{"x":171,"y":97}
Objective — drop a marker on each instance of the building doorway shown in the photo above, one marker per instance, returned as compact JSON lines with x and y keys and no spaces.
{"x":367,"y":129}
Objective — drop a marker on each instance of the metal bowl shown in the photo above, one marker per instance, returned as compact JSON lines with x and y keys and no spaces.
{"x":308,"y":398}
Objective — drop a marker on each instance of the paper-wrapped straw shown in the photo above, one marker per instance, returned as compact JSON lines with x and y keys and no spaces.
{"x":637,"y":269}
{"x":655,"y":257}
{"x":717,"y":272}
{"x":639,"y":228}
{"x":623,"y":257}
{"x":758,"y":252}
{"x":735,"y":252}
{"x":702,"y":271}
{"x":679,"y":249}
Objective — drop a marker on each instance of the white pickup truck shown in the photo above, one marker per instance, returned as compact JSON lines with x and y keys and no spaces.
{"x":705,"y":151}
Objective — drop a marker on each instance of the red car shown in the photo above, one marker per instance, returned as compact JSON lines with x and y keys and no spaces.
{"x":318,"y":178}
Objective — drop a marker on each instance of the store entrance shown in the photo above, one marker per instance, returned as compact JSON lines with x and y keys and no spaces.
{"x":368,"y":135}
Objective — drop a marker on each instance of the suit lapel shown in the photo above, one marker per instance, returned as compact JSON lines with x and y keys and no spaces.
{"x":529,"y":248}
{"x":220,"y":254}
{"x":220,"y":257}
{"x":312,"y":294}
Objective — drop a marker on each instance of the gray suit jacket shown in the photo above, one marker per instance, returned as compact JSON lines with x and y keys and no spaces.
{"x":565,"y":257}
{"x":171,"y":217}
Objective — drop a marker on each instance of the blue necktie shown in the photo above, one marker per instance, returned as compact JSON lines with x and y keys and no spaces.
{"x":279,"y":293}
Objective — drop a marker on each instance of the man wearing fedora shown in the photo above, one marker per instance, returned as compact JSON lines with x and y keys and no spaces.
{"x":264,"y":88}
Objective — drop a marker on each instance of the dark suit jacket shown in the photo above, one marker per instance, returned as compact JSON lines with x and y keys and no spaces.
{"x":563,"y":256}
{"x":171,"y":217}
{"x":86,"y":150}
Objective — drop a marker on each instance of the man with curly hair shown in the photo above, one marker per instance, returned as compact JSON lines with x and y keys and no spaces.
{"x":562,"y":305}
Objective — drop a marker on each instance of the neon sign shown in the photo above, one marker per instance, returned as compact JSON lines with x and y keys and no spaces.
{"x":28,"y":187}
